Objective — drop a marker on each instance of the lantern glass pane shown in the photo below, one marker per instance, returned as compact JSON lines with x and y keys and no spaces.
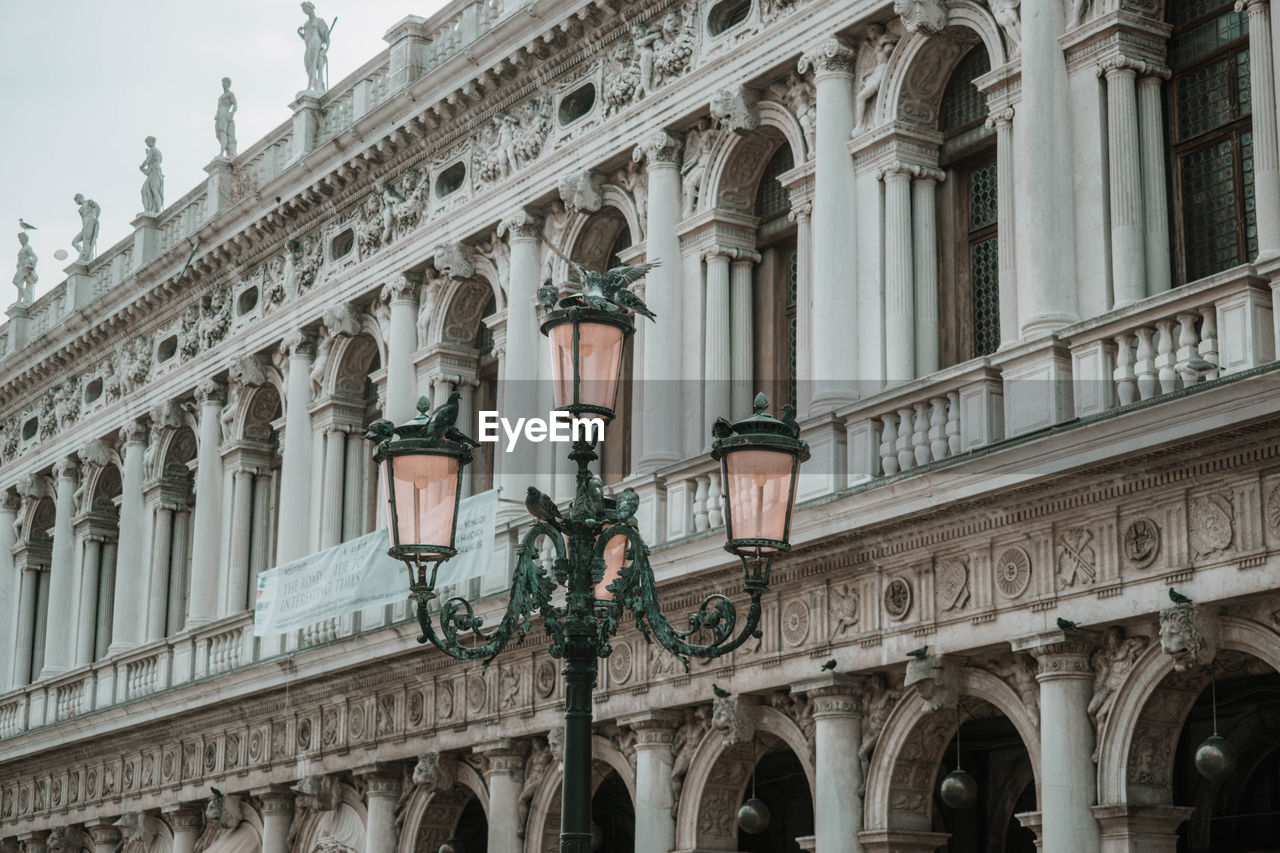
{"x":615,"y":554}
{"x":561,"y":338}
{"x":758,"y":483}
{"x":426,"y":496}
{"x":599,"y":362}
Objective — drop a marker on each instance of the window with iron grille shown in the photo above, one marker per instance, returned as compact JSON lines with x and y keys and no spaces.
{"x":1210,"y":133}
{"x":773,"y":198}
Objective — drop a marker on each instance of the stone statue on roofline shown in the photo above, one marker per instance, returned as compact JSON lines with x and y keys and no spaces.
{"x":224,"y":121}
{"x":25,"y":277}
{"x":315,"y":38}
{"x":86,"y":242}
{"x":153,"y":186}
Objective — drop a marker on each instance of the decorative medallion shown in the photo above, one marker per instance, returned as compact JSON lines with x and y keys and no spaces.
{"x":130,"y":777}
{"x":1077,"y":559}
{"x":210,"y":757}
{"x":845,"y":602}
{"x":444,"y":700}
{"x":1013,"y":571}
{"x":232,"y":751}
{"x":417,"y":708}
{"x":620,"y":662}
{"x":897,"y":598}
{"x":795,"y":622}
{"x":952,"y":584}
{"x":1141,"y":542}
{"x":304,"y":734}
{"x":544,"y":678}
{"x":1209,"y":527}
{"x":1273,"y":511}
{"x":356,"y":721}
{"x":328,"y":727}
{"x":475,"y":693}
{"x":168,"y":766}
{"x":56,"y":791}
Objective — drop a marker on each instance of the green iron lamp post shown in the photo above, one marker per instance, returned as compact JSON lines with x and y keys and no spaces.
{"x":601,"y":561}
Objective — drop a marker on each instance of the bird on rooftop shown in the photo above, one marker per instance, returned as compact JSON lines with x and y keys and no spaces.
{"x":1177,"y":597}
{"x":606,"y":290}
{"x":721,"y":428}
{"x":919,"y":654}
{"x":828,"y":666}
{"x":25,"y":225}
{"x":1067,"y":625}
{"x":720,"y":691}
{"x":789,"y":418}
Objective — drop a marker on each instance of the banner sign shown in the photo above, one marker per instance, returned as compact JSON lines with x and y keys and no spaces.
{"x":359,"y":574}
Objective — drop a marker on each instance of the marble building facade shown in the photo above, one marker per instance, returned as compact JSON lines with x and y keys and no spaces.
{"x":1017,"y":267}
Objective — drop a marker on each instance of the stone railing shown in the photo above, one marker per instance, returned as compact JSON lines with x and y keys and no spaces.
{"x":1212,"y":328}
{"x":183,"y":218}
{"x":695,"y":497}
{"x":73,"y":699}
{"x":953,"y":411}
{"x":227,"y":649}
{"x":12,"y":718}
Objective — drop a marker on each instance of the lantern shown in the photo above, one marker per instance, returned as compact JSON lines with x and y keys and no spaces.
{"x":615,"y":554}
{"x":760,"y":460}
{"x":587,"y":346}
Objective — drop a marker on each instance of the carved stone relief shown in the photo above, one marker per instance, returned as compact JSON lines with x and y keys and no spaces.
{"x":1077,"y":558}
{"x":897,"y":598}
{"x":1013,"y":571}
{"x":1210,"y":524}
{"x":1141,"y":542}
{"x":952,"y":584}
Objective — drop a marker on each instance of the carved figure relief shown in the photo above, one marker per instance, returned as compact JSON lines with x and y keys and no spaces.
{"x":1273,"y":511}
{"x":897,"y":598}
{"x":872,"y":62}
{"x":1013,"y":571}
{"x":936,"y":679}
{"x":622,"y":77}
{"x":1019,"y":672}
{"x":734,"y":110}
{"x":735,"y":718}
{"x":1210,"y":520}
{"x":536,"y":769}
{"x":845,"y":603}
{"x":1111,"y":665}
{"x":1077,"y":559}
{"x":878,"y":700}
{"x":952,"y":579}
{"x":684,"y":744}
{"x":696,"y":156}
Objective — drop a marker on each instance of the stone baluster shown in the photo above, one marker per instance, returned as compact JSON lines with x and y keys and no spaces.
{"x":655,"y":732}
{"x":717,"y":370}
{"x":205,"y":540}
{"x":1209,"y":338}
{"x":1125,"y":378}
{"x":906,"y":438}
{"x":402,"y":298}
{"x":920,"y":433}
{"x":938,"y":445}
{"x":1128,"y":233}
{"x":899,"y":277}
{"x":1266,"y":146}
{"x":295,"y":468}
{"x":924,"y":239}
{"x":1187,"y":349}
{"x":63,"y":580}
{"x":1154,"y":193}
{"x":1006,"y":246}
{"x":127,"y":618}
{"x":836,"y":700}
{"x":835,"y":293}
{"x":1145,"y":365}
{"x":700,"y":521}
{"x":741,"y":333}
{"x":889,"y":444}
{"x":953,"y":422}
{"x":1164,"y":356}
{"x":715,"y":499}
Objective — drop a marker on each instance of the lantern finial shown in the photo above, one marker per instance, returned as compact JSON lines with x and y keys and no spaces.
{"x":424,"y":404}
{"x":761,"y":403}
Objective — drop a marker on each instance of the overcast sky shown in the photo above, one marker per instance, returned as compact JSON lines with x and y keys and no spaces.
{"x":87,"y":80}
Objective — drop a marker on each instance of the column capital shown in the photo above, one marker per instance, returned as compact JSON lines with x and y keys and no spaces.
{"x":1000,"y":118}
{"x":1060,"y":655}
{"x":504,"y":756}
{"x":1250,"y":5}
{"x":802,"y":210}
{"x":381,"y":779}
{"x":911,"y":171}
{"x":298,"y":344}
{"x":66,"y":468}
{"x":183,"y":816}
{"x":211,"y":391}
{"x":275,"y":799}
{"x":402,"y":288}
{"x":521,"y":225}
{"x":742,"y":256}
{"x":828,"y":57}
{"x":833,"y":694}
{"x":133,"y":432}
{"x":653,"y":728}
{"x":1126,"y":66}
{"x":659,"y":148}
{"x":103,"y":831}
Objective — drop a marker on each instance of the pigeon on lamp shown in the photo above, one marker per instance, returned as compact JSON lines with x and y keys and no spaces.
{"x":720,"y":691}
{"x":628,"y":503}
{"x":456,"y":435}
{"x":1067,"y":625}
{"x":828,"y":666}
{"x":1177,"y":597}
{"x":548,"y":295}
{"x":789,"y":418}
{"x":542,"y":507}
{"x":444,"y":417}
{"x":721,"y":428}
{"x":380,"y":430}
{"x":25,"y":225}
{"x":919,"y":654}
{"x":626,"y":299}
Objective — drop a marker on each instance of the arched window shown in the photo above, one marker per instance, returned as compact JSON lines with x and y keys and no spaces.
{"x":970,"y":287}
{"x":1210,"y":138}
{"x":775,"y":292}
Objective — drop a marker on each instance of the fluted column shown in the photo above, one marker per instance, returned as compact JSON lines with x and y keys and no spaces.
{"x":924,"y":239}
{"x":520,"y":374}
{"x":1128,"y":234}
{"x":836,"y":293}
{"x":241,"y":539}
{"x":801,"y":215}
{"x":1067,"y":772}
{"x":655,"y":732}
{"x":203,"y":596}
{"x":1046,"y":226}
{"x":506,"y":778}
{"x":295,"y":468}
{"x":335,"y":445}
{"x":661,"y":353}
{"x":382,"y":788}
{"x":10,"y":588}
{"x":63,"y":582}
{"x":717,"y":370}
{"x":837,"y":714}
{"x":277,"y":815}
{"x":185,"y":823}
{"x":741,"y":334}
{"x":899,"y":279}
{"x":127,"y":618}
{"x":87,"y":614}
{"x":158,"y":588}
{"x":1155,"y":196}
{"x":1266,"y":149}
{"x":1006,"y":243}
{"x":402,"y":295}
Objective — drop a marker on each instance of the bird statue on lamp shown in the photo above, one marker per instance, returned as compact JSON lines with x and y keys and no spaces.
{"x":605,"y":291}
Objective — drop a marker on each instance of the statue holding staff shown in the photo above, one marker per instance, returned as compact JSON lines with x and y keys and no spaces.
{"x":153,"y":186}
{"x":315,"y":36}
{"x":224,"y":121}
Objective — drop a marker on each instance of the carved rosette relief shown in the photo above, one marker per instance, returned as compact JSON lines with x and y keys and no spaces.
{"x":544,"y":678}
{"x":1013,"y":571}
{"x":1210,"y":524}
{"x":897,"y":598}
{"x":1077,"y":558}
{"x":795,"y":622}
{"x":620,"y":662}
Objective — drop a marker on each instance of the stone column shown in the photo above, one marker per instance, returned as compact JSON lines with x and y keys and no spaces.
{"x":87,"y":618}
{"x":402,"y":396}
{"x":717,"y":372}
{"x":259,"y":556}
{"x":837,"y":714}
{"x":655,"y":731}
{"x":241,"y":538}
{"x":355,"y":473}
{"x":835,"y":292}
{"x":1149,"y":829}
{"x":185,"y":821}
{"x":742,"y":334}
{"x":1266,"y":148}
{"x":506,"y":778}
{"x":277,"y":815}
{"x":520,"y":374}
{"x":899,"y":279}
{"x":1046,"y":226}
{"x":179,"y":562}
{"x":202,"y":602}
{"x":25,"y":632}
{"x":158,"y":588}
{"x":1067,"y":772}
{"x":924,"y":238}
{"x":295,"y":467}
{"x":63,"y":583}
{"x":335,"y":446}
{"x":1006,"y":243}
{"x":1128,"y":233}
{"x":106,"y":594}
{"x":382,"y":787}
{"x":127,"y":618}
{"x":10,"y":588}
{"x":1155,"y":197}
{"x":661,"y":356}
{"x":105,"y":835}
{"x":801,"y":215}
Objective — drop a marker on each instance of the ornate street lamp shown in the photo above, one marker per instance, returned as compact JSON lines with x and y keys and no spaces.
{"x":601,"y":560}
